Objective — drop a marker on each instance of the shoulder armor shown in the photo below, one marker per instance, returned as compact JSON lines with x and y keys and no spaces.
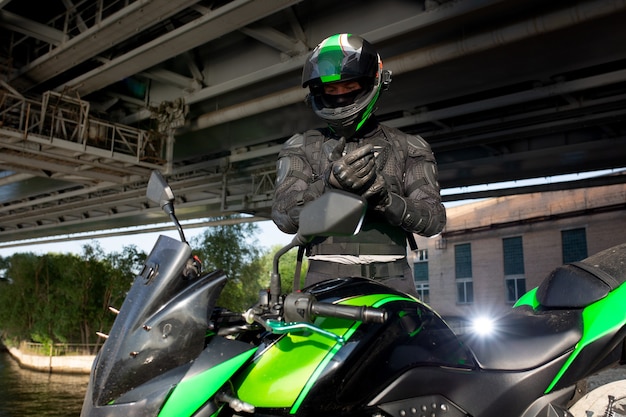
{"x":296,"y":141}
{"x":417,"y":145}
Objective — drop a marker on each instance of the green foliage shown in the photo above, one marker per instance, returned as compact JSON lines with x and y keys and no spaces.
{"x":286,"y":268}
{"x":56,"y":298}
{"x":232,"y":249}
{"x":65,"y":297}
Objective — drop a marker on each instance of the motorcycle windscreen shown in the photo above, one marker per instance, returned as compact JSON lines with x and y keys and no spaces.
{"x":161,"y":326}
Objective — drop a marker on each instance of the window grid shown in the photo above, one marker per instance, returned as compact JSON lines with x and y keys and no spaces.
{"x":513,"y":257}
{"x":515,"y":287}
{"x":421,"y":255}
{"x":463,"y":261}
{"x":463,"y":273}
{"x":420,"y":271}
{"x":465,"y":291}
{"x":513,"y":253}
{"x":423,"y":291}
{"x":574,"y":244}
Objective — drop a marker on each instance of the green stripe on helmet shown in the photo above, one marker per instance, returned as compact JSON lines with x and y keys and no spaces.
{"x":330,"y":58}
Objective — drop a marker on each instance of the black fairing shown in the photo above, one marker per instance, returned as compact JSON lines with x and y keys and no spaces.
{"x":160,"y":329}
{"x":376,"y":354}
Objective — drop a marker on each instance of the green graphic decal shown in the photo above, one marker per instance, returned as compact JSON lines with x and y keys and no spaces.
{"x":599,"y":319}
{"x":370,"y":300}
{"x":330,"y":59}
{"x":528,"y":299}
{"x":280,"y":379}
{"x":190,"y":394}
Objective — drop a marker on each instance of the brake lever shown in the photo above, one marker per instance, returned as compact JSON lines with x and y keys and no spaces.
{"x":280,"y":327}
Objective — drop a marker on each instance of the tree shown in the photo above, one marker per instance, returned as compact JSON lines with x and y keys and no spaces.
{"x":65,"y":297}
{"x":104,"y":280}
{"x":17,"y":303}
{"x":232,"y":249}
{"x":286,"y":268}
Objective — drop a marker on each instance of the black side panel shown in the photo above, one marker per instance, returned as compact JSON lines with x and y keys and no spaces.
{"x":551,"y":405}
{"x":427,"y":405}
{"x":478,"y":393}
{"x":602,"y":353}
{"x":148,"y":406}
{"x":376,"y":354}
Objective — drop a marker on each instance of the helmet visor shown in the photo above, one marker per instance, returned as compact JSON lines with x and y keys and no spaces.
{"x":341,"y":100}
{"x":339,"y":58}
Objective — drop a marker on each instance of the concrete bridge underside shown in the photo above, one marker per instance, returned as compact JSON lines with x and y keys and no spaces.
{"x":94,"y":95}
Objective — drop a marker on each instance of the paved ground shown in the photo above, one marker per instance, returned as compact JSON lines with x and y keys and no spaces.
{"x":600,"y":387}
{"x":606,"y":376}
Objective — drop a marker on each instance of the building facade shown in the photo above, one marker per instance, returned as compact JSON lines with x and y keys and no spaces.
{"x":493,"y":251}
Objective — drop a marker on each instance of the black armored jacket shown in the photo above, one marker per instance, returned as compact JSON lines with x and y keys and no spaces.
{"x":406,"y":161}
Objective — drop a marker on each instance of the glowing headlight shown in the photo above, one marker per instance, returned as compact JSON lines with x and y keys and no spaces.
{"x":483,"y":325}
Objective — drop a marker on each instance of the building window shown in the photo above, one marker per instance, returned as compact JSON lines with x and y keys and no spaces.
{"x":463,"y":273}
{"x":465,"y":291}
{"x":514,"y":279}
{"x":423,"y":291}
{"x":420,"y":275}
{"x":421,"y":255}
{"x":574,"y":243}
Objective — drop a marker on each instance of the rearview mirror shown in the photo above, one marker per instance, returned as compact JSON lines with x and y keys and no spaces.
{"x":158,"y":190}
{"x":335,"y":213}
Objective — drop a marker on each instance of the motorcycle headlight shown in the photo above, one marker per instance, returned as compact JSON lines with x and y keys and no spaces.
{"x":483,"y":326}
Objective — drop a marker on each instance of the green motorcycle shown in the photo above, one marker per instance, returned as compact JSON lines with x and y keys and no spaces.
{"x":349,"y":346}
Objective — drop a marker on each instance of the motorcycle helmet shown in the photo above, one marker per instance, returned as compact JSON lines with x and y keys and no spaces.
{"x":338,"y":58}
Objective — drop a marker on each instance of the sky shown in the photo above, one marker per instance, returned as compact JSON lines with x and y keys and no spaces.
{"x":268,"y":236}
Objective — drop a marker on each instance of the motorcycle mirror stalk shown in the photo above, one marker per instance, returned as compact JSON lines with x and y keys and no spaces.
{"x":159,"y":192}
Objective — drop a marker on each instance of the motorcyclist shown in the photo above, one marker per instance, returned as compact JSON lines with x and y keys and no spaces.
{"x":394,"y":171}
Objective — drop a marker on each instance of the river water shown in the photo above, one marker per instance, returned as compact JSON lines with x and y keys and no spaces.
{"x":25,"y":393}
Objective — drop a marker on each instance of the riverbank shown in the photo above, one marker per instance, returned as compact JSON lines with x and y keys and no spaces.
{"x":53,"y":364}
{"x":26,"y":393}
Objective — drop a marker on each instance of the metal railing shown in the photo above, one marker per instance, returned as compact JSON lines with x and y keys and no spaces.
{"x":59,"y":349}
{"x":60,"y":116}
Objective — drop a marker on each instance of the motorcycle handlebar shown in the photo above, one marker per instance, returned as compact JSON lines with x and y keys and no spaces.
{"x":360,"y":313}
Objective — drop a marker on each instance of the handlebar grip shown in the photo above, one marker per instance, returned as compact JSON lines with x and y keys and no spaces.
{"x":360,"y":313}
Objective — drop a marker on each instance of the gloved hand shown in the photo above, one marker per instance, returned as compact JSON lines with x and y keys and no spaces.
{"x":380,"y":197}
{"x":377,"y":195}
{"x":354,"y":171}
{"x":395,"y":209}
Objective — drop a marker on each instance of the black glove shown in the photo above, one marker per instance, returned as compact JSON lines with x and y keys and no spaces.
{"x":395,"y":209}
{"x":377,"y":195}
{"x":411,"y":216}
{"x":414,"y":217}
{"x":354,"y":171}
